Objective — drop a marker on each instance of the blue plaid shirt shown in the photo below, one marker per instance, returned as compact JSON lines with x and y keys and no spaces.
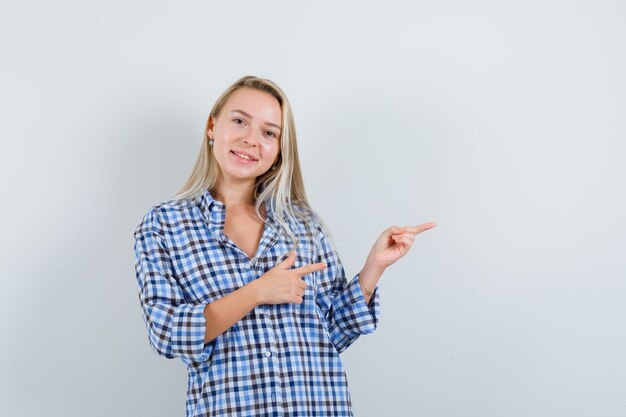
{"x":279,"y":359}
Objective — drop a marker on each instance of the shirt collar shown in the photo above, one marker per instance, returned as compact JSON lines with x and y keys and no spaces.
{"x":208,"y":204}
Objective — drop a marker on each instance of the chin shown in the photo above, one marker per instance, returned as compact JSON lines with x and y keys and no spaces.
{"x":238,"y":175}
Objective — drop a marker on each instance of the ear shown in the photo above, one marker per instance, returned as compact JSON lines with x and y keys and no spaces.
{"x":211,"y":124}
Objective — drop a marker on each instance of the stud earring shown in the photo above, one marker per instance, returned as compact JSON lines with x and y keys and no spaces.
{"x":210,"y":142}
{"x":274,"y":166}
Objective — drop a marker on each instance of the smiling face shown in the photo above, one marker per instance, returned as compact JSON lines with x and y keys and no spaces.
{"x":249,"y":124}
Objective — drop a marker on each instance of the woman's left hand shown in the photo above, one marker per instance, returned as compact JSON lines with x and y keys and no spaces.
{"x":394,"y":243}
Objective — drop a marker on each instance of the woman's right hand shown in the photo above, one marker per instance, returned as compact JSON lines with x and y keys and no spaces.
{"x":283,"y":285}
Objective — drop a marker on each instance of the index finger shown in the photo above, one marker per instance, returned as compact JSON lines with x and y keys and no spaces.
{"x":307,"y":269}
{"x":419,"y":228}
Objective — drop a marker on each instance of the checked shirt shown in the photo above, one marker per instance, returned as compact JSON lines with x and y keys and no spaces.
{"x":279,"y":359}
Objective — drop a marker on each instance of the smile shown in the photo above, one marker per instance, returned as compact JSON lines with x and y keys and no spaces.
{"x":243,"y":157}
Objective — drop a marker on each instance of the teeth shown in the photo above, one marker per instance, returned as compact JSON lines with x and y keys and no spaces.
{"x":243,"y":156}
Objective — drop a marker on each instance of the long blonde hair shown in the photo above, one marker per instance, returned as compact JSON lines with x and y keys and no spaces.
{"x":281,"y":188}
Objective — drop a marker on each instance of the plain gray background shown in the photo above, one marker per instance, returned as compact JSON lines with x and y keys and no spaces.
{"x":501,"y":121}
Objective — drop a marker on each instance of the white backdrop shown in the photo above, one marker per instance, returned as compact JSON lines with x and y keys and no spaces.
{"x":503,"y":122}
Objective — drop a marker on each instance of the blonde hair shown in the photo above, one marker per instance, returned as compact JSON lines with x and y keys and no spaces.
{"x":281,"y":188}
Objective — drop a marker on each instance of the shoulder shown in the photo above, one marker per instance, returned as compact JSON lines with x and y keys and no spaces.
{"x":313,"y":225}
{"x":313,"y":219}
{"x":306,"y":219}
{"x":165,"y":214}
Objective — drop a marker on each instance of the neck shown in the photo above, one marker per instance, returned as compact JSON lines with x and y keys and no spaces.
{"x":235,"y":194}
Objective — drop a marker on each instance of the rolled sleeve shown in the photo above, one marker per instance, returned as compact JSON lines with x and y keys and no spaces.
{"x":342,"y":303}
{"x":352,"y":314}
{"x":175,"y":327}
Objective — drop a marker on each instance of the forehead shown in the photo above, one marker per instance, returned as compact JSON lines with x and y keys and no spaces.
{"x":259,"y":104}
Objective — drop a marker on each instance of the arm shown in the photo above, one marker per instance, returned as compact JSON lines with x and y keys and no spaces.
{"x":368,"y":278}
{"x":175,"y":327}
{"x":223,"y":313}
{"x":342,"y":304}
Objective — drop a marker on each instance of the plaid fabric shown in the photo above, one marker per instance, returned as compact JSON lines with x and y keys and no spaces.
{"x":279,"y":359}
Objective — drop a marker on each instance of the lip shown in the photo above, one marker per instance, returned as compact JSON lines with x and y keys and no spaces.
{"x":245,"y":153}
{"x":240,"y":160}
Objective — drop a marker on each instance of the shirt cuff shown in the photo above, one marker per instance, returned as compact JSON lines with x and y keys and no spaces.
{"x":188,"y":332}
{"x":352,"y":312}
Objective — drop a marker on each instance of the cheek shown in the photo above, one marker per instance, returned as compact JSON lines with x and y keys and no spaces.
{"x":270,"y":149}
{"x":224,"y":141}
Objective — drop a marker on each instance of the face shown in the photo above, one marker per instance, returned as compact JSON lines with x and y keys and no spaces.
{"x":250,"y":124}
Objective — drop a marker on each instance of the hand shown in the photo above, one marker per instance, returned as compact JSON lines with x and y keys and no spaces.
{"x":393,"y":244}
{"x":283,"y":285}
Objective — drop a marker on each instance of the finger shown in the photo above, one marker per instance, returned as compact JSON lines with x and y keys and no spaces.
{"x":393,"y":230}
{"x":408,"y":235}
{"x":288,"y":261}
{"x":419,"y":228}
{"x":307,"y":269}
{"x":401,"y":239}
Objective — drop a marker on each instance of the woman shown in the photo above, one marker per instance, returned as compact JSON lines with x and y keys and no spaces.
{"x":238,"y":276}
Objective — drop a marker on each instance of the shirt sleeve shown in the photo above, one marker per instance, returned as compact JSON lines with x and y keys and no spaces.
{"x":175,"y":327}
{"x":342,"y":303}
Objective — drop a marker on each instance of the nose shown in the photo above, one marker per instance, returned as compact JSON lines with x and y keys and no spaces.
{"x":250,"y":138}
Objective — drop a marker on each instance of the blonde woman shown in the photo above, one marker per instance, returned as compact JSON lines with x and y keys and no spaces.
{"x":239,"y":278}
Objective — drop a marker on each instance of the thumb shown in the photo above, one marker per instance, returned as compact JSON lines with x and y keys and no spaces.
{"x":286,"y":264}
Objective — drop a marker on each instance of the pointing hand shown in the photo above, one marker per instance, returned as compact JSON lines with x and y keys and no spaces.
{"x":394,"y":243}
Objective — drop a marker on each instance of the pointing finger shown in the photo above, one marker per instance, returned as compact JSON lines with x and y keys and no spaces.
{"x":307,"y":269}
{"x":419,"y":228}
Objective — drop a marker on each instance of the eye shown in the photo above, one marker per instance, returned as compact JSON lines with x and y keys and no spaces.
{"x":271,"y":132}
{"x":237,"y":119}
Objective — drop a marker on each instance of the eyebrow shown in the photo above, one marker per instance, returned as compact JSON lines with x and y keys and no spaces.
{"x":247,"y":115}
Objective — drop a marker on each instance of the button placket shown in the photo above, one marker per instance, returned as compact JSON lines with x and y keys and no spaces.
{"x":273,"y":362}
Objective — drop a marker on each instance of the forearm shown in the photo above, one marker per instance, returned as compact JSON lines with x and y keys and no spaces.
{"x":368,"y":278}
{"x":223,"y":313}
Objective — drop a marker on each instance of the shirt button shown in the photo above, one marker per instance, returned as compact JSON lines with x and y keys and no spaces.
{"x":248,"y":265}
{"x":268,"y":353}
{"x":273,"y":398}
